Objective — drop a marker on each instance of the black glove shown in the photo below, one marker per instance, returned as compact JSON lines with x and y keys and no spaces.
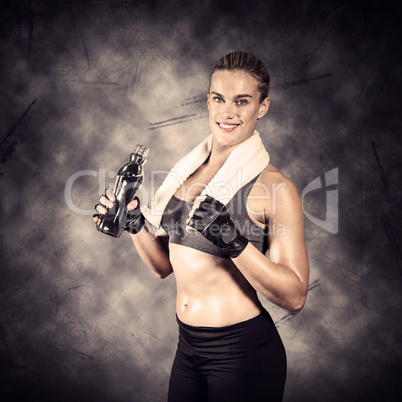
{"x":213,"y":221}
{"x":97,"y":214}
{"x":135,"y":219}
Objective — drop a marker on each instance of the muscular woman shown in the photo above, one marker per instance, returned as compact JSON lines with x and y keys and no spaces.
{"x":229,"y":348}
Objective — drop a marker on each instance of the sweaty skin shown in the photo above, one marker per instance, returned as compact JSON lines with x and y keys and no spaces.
{"x":211,"y":291}
{"x":214,"y":291}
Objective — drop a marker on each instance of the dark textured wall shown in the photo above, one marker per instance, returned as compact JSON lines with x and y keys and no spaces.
{"x":82,"y":82}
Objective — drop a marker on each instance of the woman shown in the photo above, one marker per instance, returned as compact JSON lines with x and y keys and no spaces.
{"x":229,"y":348}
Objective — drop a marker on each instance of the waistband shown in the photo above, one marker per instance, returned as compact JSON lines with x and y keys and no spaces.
{"x":207,"y":341}
{"x":227,"y":328}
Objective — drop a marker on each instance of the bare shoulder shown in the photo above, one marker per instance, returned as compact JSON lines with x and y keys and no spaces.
{"x":272,"y":177}
{"x":283,"y":194}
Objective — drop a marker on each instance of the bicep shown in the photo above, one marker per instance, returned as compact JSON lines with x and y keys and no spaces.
{"x":287,"y":245}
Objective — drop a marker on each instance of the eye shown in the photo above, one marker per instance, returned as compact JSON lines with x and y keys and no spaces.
{"x":217,"y":99}
{"x":242,"y":102}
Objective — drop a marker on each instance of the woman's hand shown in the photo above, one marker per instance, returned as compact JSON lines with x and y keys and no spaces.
{"x":105,"y":201}
{"x":135,"y":219}
{"x":212,"y":219}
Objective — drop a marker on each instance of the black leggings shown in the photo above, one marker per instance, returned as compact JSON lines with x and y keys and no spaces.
{"x":240,"y":362}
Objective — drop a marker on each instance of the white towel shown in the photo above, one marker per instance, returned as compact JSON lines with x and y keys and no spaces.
{"x":244,"y":163}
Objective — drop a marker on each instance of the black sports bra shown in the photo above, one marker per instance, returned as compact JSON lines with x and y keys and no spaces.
{"x":176,"y":214}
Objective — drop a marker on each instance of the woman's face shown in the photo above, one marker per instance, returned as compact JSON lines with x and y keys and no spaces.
{"x":233,"y":104}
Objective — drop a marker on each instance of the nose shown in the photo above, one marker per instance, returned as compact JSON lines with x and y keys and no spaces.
{"x":228,"y":110}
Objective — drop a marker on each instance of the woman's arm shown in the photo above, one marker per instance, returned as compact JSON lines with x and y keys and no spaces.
{"x":153,"y":250}
{"x":282,"y":278}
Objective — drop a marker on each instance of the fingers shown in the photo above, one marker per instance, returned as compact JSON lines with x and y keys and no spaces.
{"x":110,"y":194}
{"x":203,"y":206}
{"x":196,"y":205}
{"x":200,"y":199}
{"x":205,"y":203}
{"x":190,"y":225}
{"x":107,"y":200}
{"x":100,"y":208}
{"x":195,"y":213}
{"x":133,"y":204}
{"x":104,"y":201}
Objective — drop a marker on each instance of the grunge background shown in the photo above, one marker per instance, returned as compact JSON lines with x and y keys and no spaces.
{"x":82,"y":82}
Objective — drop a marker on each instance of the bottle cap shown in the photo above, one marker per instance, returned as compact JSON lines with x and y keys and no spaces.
{"x":141,"y":150}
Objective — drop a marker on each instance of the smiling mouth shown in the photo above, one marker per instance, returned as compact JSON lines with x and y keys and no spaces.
{"x":228,"y":126}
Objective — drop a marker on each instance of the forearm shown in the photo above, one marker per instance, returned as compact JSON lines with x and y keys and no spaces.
{"x":275,"y":282}
{"x":153,"y":251}
{"x":283,"y":279}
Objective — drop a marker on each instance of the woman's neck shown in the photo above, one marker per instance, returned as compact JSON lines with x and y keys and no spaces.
{"x":219,"y":155}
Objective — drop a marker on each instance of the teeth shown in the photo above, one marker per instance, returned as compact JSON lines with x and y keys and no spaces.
{"x":228,"y":125}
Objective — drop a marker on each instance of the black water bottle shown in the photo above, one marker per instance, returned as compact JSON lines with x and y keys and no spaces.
{"x":128,"y":181}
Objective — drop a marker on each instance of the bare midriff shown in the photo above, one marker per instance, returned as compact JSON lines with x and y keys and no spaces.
{"x":211,"y":291}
